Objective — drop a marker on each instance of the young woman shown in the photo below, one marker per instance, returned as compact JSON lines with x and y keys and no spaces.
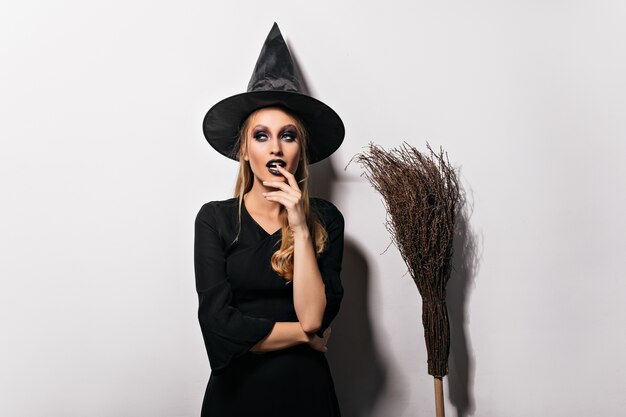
{"x":268,"y":260}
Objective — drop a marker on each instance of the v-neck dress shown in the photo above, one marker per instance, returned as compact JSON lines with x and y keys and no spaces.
{"x":241,"y":298}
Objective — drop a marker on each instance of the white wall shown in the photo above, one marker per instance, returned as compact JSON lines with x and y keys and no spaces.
{"x":103,"y":167}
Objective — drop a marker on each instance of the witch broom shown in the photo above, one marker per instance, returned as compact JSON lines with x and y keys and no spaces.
{"x":421,"y":196}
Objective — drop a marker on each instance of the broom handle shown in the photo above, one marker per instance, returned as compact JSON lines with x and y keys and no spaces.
{"x":439,"y":411}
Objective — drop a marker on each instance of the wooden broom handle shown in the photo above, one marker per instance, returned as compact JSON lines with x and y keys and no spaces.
{"x":439,"y":411}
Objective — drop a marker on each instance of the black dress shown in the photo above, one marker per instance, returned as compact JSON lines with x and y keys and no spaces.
{"x":240,"y":299}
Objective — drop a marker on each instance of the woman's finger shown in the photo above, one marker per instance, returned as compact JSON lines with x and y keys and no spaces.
{"x":290,"y":178}
{"x":285,"y":199}
{"x":283,"y":186}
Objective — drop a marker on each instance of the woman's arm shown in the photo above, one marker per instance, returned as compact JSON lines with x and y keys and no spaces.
{"x":317,"y":289}
{"x":309,"y":297}
{"x":284,"y":334}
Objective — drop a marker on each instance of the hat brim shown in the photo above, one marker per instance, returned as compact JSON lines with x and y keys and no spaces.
{"x":223,"y":121}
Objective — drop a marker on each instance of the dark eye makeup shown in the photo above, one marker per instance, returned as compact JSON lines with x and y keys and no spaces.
{"x":259,"y":135}
{"x":288,"y":134}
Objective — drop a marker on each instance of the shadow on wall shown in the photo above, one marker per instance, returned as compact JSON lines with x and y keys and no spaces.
{"x":358,"y":371}
{"x":461,"y":363}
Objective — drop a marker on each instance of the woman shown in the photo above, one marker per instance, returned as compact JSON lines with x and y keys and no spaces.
{"x":268,"y":260}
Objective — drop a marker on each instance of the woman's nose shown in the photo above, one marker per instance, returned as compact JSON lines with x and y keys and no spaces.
{"x":276,"y":146}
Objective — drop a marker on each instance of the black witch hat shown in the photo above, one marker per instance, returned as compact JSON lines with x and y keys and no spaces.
{"x":274,"y":82}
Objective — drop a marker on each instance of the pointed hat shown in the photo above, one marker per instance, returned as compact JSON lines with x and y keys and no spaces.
{"x":274,"y":82}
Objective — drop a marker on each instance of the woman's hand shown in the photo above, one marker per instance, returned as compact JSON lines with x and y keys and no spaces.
{"x":319,"y":343}
{"x":289,"y":196}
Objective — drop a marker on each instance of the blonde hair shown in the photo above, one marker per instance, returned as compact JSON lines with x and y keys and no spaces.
{"x":282,"y":259}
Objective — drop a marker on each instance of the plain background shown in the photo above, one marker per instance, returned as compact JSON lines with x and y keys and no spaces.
{"x":103,"y":167}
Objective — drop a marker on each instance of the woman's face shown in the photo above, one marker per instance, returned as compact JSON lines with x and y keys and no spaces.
{"x":272,"y":138}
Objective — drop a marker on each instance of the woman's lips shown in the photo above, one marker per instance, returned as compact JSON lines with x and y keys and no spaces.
{"x":274,"y":171}
{"x":271,"y":166}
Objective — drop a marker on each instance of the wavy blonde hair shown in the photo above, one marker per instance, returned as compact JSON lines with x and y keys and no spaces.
{"x":282,"y":259}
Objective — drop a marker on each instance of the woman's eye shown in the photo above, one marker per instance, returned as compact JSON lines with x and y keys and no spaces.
{"x":260,"y":136}
{"x":289,"y":136}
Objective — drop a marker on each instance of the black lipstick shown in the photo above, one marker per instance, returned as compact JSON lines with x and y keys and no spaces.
{"x":271,"y":166}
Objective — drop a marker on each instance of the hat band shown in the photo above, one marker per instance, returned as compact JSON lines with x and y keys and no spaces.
{"x":275,"y":84}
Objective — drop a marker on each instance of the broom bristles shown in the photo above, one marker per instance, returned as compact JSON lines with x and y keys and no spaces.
{"x":421,"y":194}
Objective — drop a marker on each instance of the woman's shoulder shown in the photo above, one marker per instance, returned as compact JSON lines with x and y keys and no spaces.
{"x":321,"y":203}
{"x":327,"y":210}
{"x":216,"y":207}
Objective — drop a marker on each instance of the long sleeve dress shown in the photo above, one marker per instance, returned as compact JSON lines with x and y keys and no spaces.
{"x":241,"y":298}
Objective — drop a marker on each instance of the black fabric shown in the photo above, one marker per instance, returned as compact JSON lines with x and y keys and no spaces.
{"x":274,"y":69}
{"x":240,"y":300}
{"x":274,"y":82}
{"x":325,"y":129}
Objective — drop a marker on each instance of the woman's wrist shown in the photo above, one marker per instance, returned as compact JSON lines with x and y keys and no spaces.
{"x":300,"y":232}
